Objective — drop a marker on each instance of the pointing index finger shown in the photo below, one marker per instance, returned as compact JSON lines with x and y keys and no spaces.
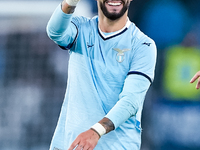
{"x":195,"y":77}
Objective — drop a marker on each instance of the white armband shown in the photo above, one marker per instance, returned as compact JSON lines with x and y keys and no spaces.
{"x":99,"y":129}
{"x":72,"y":2}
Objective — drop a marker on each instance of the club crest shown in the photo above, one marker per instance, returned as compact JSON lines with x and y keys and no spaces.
{"x":120,"y":54}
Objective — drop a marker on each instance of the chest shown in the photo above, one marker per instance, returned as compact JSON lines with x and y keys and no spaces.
{"x":110,"y":58}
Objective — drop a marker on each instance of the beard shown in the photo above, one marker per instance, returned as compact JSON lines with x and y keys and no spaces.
{"x":114,"y":15}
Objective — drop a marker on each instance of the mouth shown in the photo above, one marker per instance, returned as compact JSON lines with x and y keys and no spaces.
{"x":114,"y":3}
{"x":114,"y":9}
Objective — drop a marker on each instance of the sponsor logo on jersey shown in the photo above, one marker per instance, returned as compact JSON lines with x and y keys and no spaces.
{"x":145,"y":43}
{"x":89,"y":45}
{"x":120,"y":54}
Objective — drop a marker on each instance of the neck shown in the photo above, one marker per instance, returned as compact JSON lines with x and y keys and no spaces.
{"x":107,"y":25}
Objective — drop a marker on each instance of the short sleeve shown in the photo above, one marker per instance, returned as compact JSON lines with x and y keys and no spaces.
{"x":144,"y":59}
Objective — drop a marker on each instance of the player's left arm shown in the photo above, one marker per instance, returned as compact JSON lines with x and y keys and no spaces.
{"x":136,"y":84}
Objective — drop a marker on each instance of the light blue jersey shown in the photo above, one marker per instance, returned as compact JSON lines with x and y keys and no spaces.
{"x":108,"y":76}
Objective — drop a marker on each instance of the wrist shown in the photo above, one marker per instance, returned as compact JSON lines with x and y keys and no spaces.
{"x":72,"y":2}
{"x":99,"y":129}
{"x":66,"y":8}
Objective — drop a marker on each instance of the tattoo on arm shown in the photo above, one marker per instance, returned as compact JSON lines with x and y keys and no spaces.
{"x":107,"y":124}
{"x":67,"y":8}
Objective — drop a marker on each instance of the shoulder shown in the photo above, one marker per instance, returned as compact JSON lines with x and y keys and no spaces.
{"x":81,"y":20}
{"x":138,"y":36}
{"x":142,"y":45}
{"x":140,"y":40}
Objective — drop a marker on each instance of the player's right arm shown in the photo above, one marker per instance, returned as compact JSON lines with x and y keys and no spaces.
{"x":60,"y":28}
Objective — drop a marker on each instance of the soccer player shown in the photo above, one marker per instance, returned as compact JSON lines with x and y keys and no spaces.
{"x":196,"y":76}
{"x":111,"y":67}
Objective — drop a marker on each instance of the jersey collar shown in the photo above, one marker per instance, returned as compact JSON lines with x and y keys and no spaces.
{"x":116,"y":33}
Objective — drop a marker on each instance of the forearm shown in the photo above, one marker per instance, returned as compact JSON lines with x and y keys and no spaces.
{"x":107,"y":124}
{"x":130,"y":100}
{"x":103,"y":126}
{"x":59,"y":28}
{"x":59,"y":21}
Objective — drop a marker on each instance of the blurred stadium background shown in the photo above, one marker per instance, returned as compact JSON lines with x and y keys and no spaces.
{"x":33,"y":73}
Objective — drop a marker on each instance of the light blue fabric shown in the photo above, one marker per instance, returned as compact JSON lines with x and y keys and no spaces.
{"x":98,"y":84}
{"x":57,"y":26}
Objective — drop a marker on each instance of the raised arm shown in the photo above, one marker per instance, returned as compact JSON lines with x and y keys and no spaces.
{"x":59,"y":28}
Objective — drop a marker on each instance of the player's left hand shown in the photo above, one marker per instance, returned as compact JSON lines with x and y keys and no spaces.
{"x":196,"y":76}
{"x":85,"y":141}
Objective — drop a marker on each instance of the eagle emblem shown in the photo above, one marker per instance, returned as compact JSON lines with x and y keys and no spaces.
{"x":120,"y":54}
